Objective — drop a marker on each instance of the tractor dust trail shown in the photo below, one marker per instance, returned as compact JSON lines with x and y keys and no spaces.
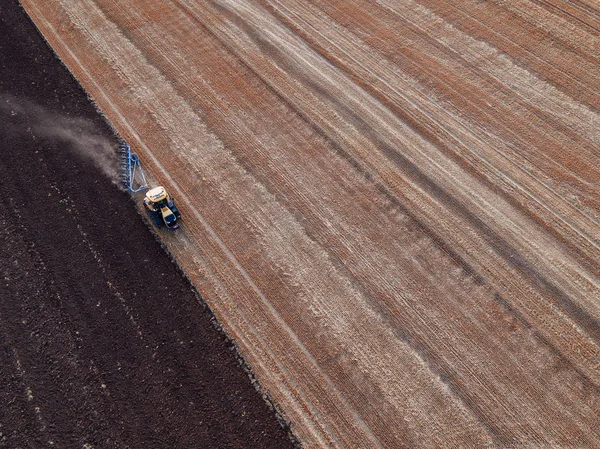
{"x":79,"y":135}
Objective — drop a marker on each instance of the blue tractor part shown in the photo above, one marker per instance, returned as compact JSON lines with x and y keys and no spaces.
{"x":132,"y":174}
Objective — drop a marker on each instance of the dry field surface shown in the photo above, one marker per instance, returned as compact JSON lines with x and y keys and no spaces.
{"x":392,"y":206}
{"x":103,"y":342}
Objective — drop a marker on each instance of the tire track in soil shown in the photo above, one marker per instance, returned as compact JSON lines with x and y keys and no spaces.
{"x":105,"y":343}
{"x":312,"y":86}
{"x":508,"y":253}
{"x":238,"y":267}
{"x":545,"y":435}
{"x":153,"y":59}
{"x":547,"y":61}
{"x":461,"y":152}
{"x":192,"y":209}
{"x":441,"y":368}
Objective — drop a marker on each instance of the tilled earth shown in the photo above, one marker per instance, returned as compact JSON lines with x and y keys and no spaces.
{"x":103,"y":342}
{"x":391,"y":207}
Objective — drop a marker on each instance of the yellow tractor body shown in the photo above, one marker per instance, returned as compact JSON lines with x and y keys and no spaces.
{"x":161,"y":208}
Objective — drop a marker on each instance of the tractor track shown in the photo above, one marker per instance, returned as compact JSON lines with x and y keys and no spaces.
{"x":391,"y":206}
{"x":103,"y":342}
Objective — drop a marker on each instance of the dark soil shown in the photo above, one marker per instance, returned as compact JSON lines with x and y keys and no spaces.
{"x":103,"y":342}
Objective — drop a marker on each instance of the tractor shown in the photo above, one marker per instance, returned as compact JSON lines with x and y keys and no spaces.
{"x":158,"y":203}
{"x":161,"y":208}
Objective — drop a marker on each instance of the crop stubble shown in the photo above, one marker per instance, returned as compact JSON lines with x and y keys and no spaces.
{"x":102,"y":341}
{"x":391,"y":206}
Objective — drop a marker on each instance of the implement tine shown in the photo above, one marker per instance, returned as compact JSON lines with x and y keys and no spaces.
{"x":131,"y":166}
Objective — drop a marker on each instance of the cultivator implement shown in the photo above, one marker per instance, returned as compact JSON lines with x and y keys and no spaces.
{"x":159,"y":205}
{"x":132,"y":174}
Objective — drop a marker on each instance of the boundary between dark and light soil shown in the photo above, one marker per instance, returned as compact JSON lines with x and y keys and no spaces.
{"x":104,"y":342}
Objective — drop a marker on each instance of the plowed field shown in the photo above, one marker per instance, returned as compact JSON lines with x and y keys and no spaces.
{"x":391,"y":206}
{"x":103,"y":342}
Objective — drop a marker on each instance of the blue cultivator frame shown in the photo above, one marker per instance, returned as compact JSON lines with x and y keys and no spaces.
{"x":132,"y":175}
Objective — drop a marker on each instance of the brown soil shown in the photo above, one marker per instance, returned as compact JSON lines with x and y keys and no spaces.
{"x":393,"y":207}
{"x":103,"y":342}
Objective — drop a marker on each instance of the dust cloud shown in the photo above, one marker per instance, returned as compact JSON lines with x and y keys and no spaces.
{"x":22,"y":116}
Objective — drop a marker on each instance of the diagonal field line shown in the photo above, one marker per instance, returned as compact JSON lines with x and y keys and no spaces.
{"x":230,"y":256}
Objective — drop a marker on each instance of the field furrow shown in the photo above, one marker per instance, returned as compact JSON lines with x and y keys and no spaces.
{"x":392,"y":207}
